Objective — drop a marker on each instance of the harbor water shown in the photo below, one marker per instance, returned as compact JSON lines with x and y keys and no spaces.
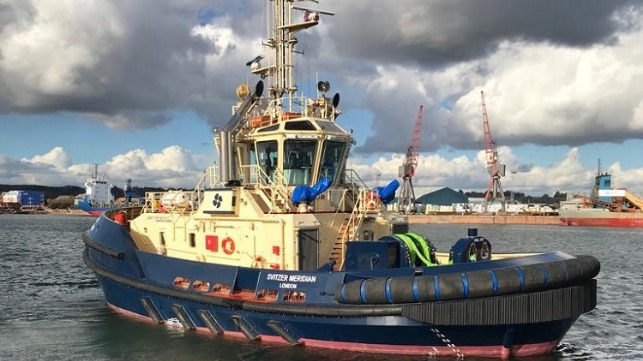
{"x":52,"y":308}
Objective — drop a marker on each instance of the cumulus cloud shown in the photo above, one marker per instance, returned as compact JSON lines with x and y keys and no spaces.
{"x":536,"y":93}
{"x":56,"y":157}
{"x":469,"y":174}
{"x":173,"y":167}
{"x":119,"y":63}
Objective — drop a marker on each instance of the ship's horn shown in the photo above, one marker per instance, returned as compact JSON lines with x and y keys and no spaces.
{"x":259,"y":89}
{"x":323,"y":86}
{"x":336,"y":100}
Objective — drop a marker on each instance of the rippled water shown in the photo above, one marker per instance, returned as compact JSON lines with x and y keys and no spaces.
{"x":51,"y":307}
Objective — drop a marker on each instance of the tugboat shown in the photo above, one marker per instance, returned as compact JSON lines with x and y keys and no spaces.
{"x":281,"y":242}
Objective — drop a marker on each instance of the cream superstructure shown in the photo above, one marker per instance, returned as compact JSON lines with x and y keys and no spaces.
{"x":242,"y":212}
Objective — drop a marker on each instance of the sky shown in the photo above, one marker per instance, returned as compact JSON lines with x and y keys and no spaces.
{"x":138,"y":86}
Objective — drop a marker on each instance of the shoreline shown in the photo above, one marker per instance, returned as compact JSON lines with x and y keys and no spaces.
{"x":412,"y":219}
{"x":484,"y":219}
{"x":67,"y":212}
{"x":54,"y":212}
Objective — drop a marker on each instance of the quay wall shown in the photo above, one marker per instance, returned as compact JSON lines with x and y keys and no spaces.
{"x":483,"y":219}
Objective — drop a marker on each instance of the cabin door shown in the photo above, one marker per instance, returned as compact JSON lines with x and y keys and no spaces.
{"x":308,"y":249}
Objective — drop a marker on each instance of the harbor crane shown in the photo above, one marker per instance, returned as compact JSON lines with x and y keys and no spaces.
{"x":495,"y":169}
{"x":406,"y":201}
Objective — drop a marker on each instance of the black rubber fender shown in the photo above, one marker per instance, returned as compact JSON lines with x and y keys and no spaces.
{"x":371,"y":290}
{"x":555,"y":272}
{"x":450,"y":287}
{"x":473,"y":284}
{"x":425,"y":288}
{"x":582,"y":267}
{"x":480,"y":284}
{"x":533,"y":277}
{"x":508,"y":280}
{"x":400,"y":290}
{"x":350,"y":292}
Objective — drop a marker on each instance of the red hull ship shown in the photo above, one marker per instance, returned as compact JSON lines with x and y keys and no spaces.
{"x":606,"y":207}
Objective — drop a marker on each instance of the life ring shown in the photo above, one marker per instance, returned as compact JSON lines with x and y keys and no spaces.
{"x":228,"y":246}
{"x":159,"y":207}
{"x":121,"y":218}
{"x":372,"y":200}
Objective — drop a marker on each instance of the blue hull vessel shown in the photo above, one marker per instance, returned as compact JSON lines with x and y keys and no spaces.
{"x":520,"y":306}
{"x":92,"y":210}
{"x":282,"y":242}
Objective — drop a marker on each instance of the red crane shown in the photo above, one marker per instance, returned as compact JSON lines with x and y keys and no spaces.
{"x":406,"y":203}
{"x":495,"y":169}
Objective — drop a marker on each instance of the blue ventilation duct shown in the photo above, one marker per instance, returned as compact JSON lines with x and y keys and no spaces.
{"x":308,"y":194}
{"x":387,"y":193}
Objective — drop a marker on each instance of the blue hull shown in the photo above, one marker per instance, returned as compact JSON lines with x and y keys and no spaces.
{"x":140,"y":285}
{"x":374,"y":333}
{"x":94,"y":211}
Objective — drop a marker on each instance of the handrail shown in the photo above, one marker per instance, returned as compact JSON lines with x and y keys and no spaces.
{"x":278,"y":109}
{"x":209,"y":179}
{"x":354,"y":178}
{"x":281,"y":192}
{"x":355,"y":221}
{"x":153,"y":200}
{"x":273,"y":187}
{"x":365,"y":199}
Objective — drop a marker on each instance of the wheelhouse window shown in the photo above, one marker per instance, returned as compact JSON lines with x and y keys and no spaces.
{"x":251,"y":173}
{"x":329,"y":126}
{"x":299,"y":125}
{"x":332,"y":156}
{"x":298,"y":160}
{"x":267,"y":155}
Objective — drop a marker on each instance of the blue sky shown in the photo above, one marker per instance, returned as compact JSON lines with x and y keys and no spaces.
{"x":140,"y":92}
{"x":91,"y":142}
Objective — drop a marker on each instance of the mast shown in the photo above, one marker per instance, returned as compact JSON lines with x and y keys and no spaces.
{"x":282,"y":27}
{"x":285,"y":42}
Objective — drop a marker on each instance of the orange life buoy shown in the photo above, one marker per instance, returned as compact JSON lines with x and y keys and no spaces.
{"x":228,"y":246}
{"x":159,"y":207}
{"x":372,"y":200}
{"x":121,"y":218}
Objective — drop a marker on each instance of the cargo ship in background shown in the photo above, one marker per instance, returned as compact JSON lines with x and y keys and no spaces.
{"x":98,"y":195}
{"x":606,"y":206}
{"x":99,"y":198}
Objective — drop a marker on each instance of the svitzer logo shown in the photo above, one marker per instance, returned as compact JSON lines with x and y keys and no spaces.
{"x":217,"y":200}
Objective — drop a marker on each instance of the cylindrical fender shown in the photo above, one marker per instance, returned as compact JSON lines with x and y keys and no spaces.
{"x":472,"y":284}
